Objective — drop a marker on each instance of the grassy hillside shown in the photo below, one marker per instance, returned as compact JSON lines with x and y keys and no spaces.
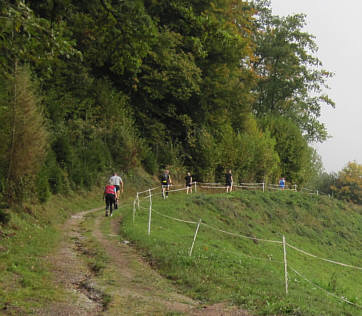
{"x":250,"y":272}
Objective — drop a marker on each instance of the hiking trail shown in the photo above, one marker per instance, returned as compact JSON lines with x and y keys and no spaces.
{"x":127,"y":285}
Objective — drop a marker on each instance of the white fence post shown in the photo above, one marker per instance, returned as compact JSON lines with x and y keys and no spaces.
{"x":193,"y":242}
{"x":285,"y":266}
{"x":149,"y":214}
{"x":195,"y":187}
{"x":295,"y":187}
{"x":263,"y":187}
{"x":134,"y":211}
{"x":138,"y":201}
{"x":317,"y":192}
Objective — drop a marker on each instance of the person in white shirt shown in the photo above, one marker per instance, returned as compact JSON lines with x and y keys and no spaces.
{"x":116,"y":180}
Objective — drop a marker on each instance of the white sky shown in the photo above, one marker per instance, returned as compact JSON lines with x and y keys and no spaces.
{"x":337,"y":27}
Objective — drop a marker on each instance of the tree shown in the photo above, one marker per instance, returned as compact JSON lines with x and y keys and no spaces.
{"x":291,"y":78}
{"x":26,"y":133}
{"x":348,"y":185}
{"x":291,"y":146}
{"x":28,"y":39}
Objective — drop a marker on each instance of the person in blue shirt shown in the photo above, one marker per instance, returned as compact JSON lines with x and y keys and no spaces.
{"x":282,"y":183}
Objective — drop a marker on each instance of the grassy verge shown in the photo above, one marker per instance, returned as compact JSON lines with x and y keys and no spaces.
{"x":32,"y":233}
{"x":249,"y":272}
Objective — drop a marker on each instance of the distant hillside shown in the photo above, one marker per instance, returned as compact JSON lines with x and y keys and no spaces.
{"x":238,"y":254}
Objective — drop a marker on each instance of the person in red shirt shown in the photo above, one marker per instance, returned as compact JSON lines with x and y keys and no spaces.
{"x":109,"y":196}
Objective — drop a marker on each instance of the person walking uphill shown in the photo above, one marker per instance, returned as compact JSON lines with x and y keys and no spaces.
{"x":229,"y":181}
{"x":116,"y":180}
{"x":188,"y":180}
{"x":110,"y":196}
{"x":165,"y":183}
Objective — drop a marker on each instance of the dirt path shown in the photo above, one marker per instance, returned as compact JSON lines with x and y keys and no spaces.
{"x":71,"y":273}
{"x":126,"y":286}
{"x":152,"y":288}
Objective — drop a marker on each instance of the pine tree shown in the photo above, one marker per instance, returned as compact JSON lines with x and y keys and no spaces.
{"x":27,"y":135}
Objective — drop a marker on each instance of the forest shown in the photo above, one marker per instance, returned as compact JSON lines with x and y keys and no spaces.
{"x":91,"y":86}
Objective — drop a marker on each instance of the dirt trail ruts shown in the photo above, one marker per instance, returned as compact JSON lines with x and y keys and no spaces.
{"x":134,"y":287}
{"x":72,"y":274}
{"x":149,"y":290}
{"x":138,"y":282}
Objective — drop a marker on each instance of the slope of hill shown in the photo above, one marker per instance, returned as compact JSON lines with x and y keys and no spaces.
{"x":238,"y":251}
{"x":237,"y":256}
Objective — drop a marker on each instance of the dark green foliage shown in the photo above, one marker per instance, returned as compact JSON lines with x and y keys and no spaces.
{"x":325,"y":182}
{"x":291,"y":146}
{"x":292,"y":82}
{"x":150,"y":162}
{"x":154,"y":84}
{"x":42,"y":186}
{"x":57,"y":176}
{"x":4,"y":217}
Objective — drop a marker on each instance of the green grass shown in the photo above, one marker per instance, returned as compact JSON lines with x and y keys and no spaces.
{"x":26,"y":282}
{"x":250,"y":273}
{"x":30,"y":233}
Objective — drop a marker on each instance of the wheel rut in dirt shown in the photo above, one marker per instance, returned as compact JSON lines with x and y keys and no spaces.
{"x":140,"y":281}
{"x":127,"y":285}
{"x":137,"y":281}
{"x":71,"y":274}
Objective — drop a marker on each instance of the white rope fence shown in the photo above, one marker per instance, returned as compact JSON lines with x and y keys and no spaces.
{"x":174,"y":218}
{"x":212,"y":187}
{"x":252,"y":238}
{"x":251,"y":186}
{"x":269,"y":259}
{"x":200,"y":223}
{"x":242,"y":236}
{"x":324,"y":290}
{"x":243,"y":185}
{"x":327,"y":260}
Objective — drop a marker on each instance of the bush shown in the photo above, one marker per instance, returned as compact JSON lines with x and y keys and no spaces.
{"x":42,"y":186}
{"x":150,"y":162}
{"x":4,"y":217}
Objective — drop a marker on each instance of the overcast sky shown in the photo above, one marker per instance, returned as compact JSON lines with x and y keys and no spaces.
{"x":337,"y":27}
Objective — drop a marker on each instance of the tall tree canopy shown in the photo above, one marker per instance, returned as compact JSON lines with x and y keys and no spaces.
{"x":291,"y":81}
{"x":202,"y":85}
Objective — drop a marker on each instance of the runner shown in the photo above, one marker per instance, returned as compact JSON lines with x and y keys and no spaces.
{"x":110,"y":196}
{"x":282,"y":183}
{"x":229,"y":181}
{"x":118,"y":183}
{"x":165,"y":183}
{"x":188,"y":180}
